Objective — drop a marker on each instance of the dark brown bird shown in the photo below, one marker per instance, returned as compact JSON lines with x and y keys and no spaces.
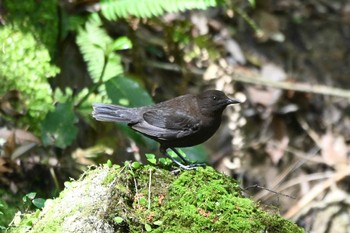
{"x":183,"y":121}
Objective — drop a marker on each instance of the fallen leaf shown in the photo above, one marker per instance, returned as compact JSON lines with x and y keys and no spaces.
{"x":334,"y":150}
{"x":276,"y":147}
{"x":21,"y":136}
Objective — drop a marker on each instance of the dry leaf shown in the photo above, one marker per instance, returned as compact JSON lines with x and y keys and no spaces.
{"x":21,"y":136}
{"x":3,"y":167}
{"x":278,"y":144}
{"x":267,"y":96}
{"x":10,"y":144}
{"x":334,"y":150}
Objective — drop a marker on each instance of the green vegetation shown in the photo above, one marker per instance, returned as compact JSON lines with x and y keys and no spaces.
{"x":113,"y":10}
{"x":27,"y":41}
{"x":6,"y":213}
{"x":136,"y":198}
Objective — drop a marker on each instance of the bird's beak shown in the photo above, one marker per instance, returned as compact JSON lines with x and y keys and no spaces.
{"x":232,"y":101}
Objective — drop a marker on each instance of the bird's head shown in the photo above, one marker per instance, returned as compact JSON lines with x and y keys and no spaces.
{"x":214,"y":102}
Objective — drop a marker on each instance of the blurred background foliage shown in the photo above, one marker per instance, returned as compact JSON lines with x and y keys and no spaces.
{"x":57,"y":57}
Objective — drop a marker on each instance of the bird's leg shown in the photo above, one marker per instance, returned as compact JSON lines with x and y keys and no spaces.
{"x":185,"y":167}
{"x":188,"y":166}
{"x":180,"y":156}
{"x":186,"y":161}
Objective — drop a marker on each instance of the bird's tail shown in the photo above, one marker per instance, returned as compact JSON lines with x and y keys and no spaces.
{"x":110,"y":112}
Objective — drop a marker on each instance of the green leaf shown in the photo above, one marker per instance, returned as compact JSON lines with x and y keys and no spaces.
{"x":39,"y":202}
{"x":165,"y":161}
{"x":118,"y":220}
{"x":131,"y":172}
{"x":109,"y":163}
{"x":158,"y":223}
{"x":136,"y":165}
{"x":143,"y":201}
{"x":252,"y":3}
{"x":58,"y":126}
{"x":126,"y":163}
{"x":68,"y":184}
{"x":121,"y":88}
{"x":113,"y":10}
{"x":151,"y":158}
{"x":122,"y":43}
{"x":148,"y":227}
{"x":29,"y":196}
{"x":94,"y":44}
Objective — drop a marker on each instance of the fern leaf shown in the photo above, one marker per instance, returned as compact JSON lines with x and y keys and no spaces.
{"x":114,"y":9}
{"x":94,"y":44}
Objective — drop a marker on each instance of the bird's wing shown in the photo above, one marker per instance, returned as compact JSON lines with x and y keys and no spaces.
{"x":167,"y":124}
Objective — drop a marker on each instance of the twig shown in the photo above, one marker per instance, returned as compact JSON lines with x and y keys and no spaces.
{"x":248,"y":20}
{"x":257,"y":80}
{"x":306,"y":157}
{"x":135,"y":184}
{"x":54,"y":177}
{"x":312,"y":134}
{"x":286,"y":85}
{"x":306,"y":178}
{"x":270,"y":190}
{"x":317,"y":190}
{"x":149,"y":189}
{"x":281,"y":177}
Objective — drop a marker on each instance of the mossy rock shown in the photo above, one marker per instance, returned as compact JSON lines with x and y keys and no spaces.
{"x":137,"y":198}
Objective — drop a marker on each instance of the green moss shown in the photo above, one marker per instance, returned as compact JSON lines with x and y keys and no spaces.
{"x":195,"y":201}
{"x":148,"y":198}
{"x":112,"y":174}
{"x":207,"y":201}
{"x":38,"y":18}
{"x":26,"y":40}
{"x":131,"y":194}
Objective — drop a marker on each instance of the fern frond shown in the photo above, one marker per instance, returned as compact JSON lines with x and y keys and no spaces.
{"x":114,"y":9}
{"x":94,"y":45}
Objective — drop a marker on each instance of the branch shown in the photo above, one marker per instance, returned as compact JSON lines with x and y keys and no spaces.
{"x":257,"y":80}
{"x":286,"y":85}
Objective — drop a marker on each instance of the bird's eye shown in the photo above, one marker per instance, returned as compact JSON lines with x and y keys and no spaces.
{"x":214,"y":98}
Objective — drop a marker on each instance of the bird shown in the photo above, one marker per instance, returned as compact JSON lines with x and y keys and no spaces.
{"x":183,"y":121}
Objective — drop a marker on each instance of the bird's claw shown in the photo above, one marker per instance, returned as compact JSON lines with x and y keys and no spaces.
{"x":189,"y":166}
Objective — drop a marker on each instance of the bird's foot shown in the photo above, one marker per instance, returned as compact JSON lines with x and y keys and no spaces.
{"x":189,"y":166}
{"x":197,"y":165}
